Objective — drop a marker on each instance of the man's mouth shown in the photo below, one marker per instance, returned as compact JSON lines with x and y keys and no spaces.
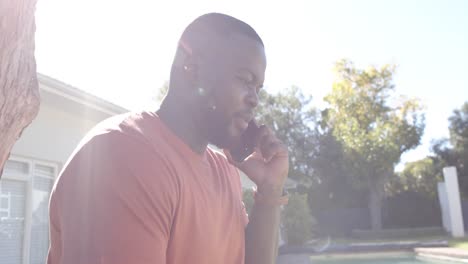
{"x":242,"y":120}
{"x":241,"y":123}
{"x":247,"y":117}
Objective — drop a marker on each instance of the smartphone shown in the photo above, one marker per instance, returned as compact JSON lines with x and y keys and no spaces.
{"x":247,"y":143}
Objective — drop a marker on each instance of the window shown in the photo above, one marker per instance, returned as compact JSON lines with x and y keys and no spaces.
{"x":12,"y":221}
{"x":5,"y":205}
{"x":43,"y":180}
{"x":24,"y":223}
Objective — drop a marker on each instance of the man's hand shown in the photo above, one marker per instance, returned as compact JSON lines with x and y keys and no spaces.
{"x":268,"y":165}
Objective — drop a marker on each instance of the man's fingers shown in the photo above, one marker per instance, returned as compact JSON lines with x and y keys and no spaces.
{"x":272,"y":149}
{"x":263,"y":131}
{"x":270,"y":145}
{"x":241,"y":165}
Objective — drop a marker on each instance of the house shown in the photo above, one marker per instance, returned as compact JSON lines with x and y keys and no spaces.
{"x":66,"y":114}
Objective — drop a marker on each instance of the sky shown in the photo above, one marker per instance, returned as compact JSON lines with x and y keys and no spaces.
{"x":121,"y":51}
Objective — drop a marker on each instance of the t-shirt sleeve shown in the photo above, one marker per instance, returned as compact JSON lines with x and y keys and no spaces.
{"x":132,"y":198}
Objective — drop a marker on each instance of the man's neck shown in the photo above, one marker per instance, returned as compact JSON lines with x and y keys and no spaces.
{"x":182,"y":124}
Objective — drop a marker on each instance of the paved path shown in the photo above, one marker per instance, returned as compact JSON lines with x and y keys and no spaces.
{"x":449,"y":252}
{"x":444,"y":253}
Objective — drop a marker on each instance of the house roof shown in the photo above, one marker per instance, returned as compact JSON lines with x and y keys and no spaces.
{"x":59,"y":88}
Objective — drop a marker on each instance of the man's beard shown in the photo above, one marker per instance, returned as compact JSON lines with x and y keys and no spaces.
{"x":216,"y":128}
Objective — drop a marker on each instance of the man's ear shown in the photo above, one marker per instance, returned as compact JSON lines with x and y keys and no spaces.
{"x":190,"y":71}
{"x":191,"y":68}
{"x":187,"y":63}
{"x":195,"y":73}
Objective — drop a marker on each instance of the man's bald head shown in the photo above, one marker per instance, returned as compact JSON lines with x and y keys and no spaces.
{"x":205,"y":36}
{"x":217,"y":24}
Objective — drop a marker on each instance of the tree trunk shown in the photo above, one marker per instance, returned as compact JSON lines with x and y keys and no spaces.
{"x":19,"y":92}
{"x":375,"y":208}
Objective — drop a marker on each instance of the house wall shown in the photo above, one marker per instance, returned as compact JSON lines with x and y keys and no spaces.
{"x":56,"y":131}
{"x":36,"y":159}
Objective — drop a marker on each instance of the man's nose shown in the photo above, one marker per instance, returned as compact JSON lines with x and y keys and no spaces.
{"x":252,"y":98}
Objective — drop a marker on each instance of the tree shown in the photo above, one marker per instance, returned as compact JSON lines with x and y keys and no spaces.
{"x":454,"y":151}
{"x":419,"y":176}
{"x":19,"y":92}
{"x":292,"y":116}
{"x":373,"y":127}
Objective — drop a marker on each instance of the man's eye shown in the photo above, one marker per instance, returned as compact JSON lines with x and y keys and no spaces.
{"x":243,"y":80}
{"x":248,"y":84}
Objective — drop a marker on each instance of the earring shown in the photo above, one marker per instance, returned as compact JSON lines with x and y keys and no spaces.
{"x":186,"y":68}
{"x":213,"y":107}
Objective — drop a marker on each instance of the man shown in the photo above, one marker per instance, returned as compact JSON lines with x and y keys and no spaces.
{"x":144,"y":187}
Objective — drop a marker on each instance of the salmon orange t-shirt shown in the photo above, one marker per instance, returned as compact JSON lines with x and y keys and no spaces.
{"x":134,"y":193}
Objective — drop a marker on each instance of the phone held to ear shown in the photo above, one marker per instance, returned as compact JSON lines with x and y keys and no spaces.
{"x":247,"y":145}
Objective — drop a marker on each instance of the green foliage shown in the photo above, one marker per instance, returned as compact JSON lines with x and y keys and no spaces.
{"x":373,"y":127}
{"x":248,"y":199}
{"x":297,"y":221}
{"x":373,"y":132}
{"x":454,"y":152}
{"x":161,"y":93}
{"x":459,"y":129}
{"x":419,"y":176}
{"x":294,"y":119}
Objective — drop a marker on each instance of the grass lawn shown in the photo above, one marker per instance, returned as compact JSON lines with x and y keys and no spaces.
{"x":459,"y":243}
{"x":456,"y":243}
{"x":402,"y":239}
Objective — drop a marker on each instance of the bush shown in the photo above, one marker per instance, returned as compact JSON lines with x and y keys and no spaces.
{"x":297,"y":220}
